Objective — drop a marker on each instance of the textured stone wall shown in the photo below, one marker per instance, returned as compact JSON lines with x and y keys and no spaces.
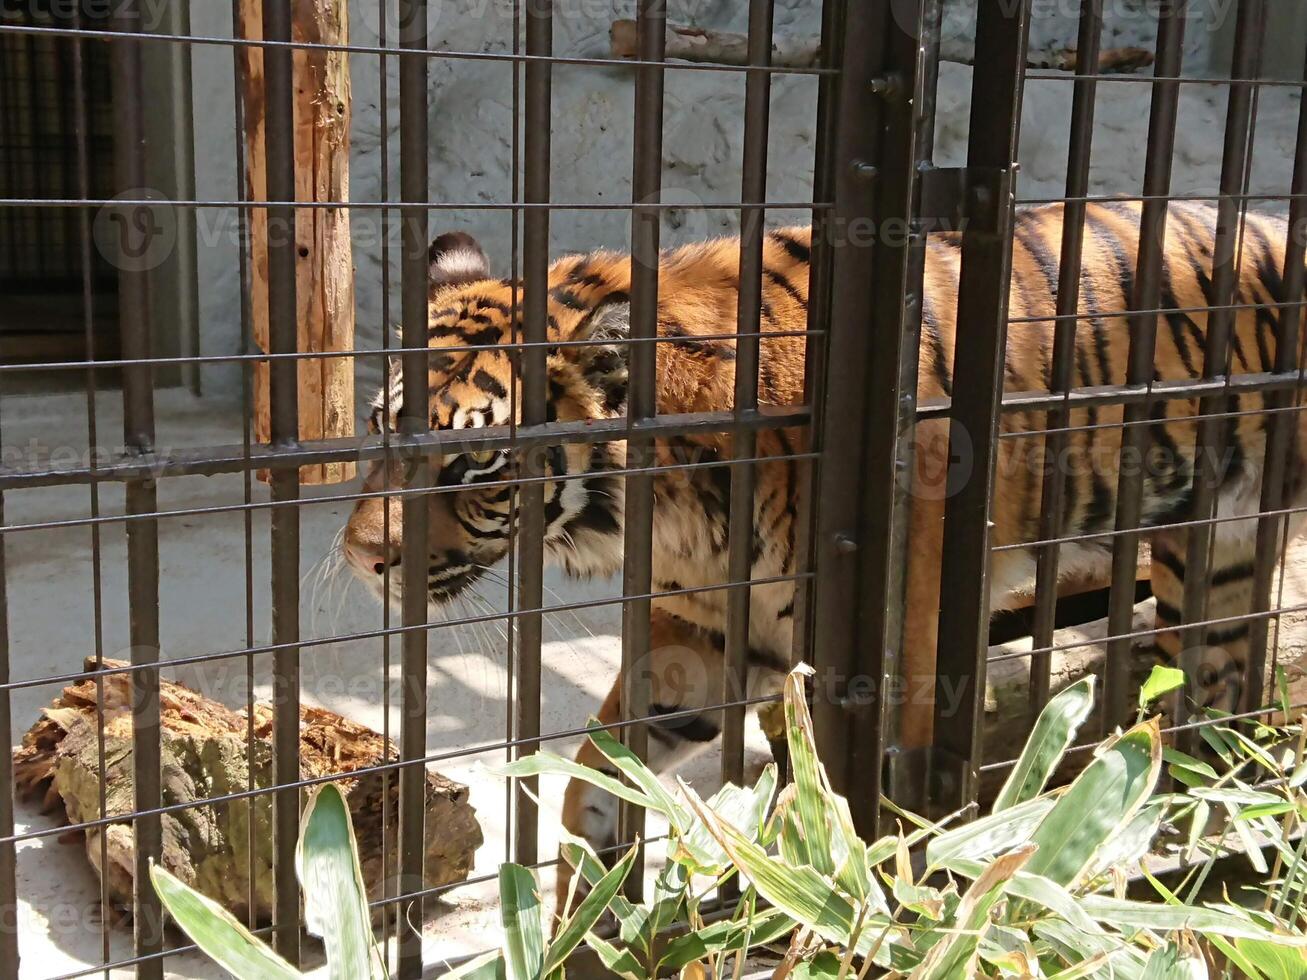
{"x":471,"y":112}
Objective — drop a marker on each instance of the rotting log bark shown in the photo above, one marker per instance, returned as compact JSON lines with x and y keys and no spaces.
{"x":686,"y":43}
{"x":205,"y":755}
{"x":324,"y":281}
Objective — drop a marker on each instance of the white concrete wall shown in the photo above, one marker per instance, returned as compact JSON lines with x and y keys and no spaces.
{"x":471,"y":130}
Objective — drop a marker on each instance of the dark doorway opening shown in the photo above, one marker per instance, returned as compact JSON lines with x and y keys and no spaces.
{"x":44,"y":254}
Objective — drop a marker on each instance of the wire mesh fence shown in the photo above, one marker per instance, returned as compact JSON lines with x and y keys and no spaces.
{"x":849,"y":445}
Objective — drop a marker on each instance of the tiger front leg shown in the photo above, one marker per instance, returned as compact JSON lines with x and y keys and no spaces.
{"x":684,"y":672}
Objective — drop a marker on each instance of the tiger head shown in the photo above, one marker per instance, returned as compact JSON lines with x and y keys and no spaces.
{"x":470,"y":512}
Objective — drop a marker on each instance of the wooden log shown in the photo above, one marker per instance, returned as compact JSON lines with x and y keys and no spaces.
{"x":206,"y":755}
{"x":686,"y":43}
{"x":325,"y":269}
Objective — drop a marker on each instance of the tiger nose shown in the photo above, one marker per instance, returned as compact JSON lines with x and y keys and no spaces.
{"x":373,"y":557}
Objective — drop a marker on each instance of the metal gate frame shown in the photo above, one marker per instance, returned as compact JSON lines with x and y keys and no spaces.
{"x":884,"y":170}
{"x":874,"y":164}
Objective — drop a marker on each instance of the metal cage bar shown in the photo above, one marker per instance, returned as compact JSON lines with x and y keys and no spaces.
{"x":1272,"y":531}
{"x":642,"y":403}
{"x":874,"y":171}
{"x":283,"y":383}
{"x":143,"y":540}
{"x":1212,"y":436}
{"x":414,"y":414}
{"x":979,"y":357}
{"x":1053,"y":495}
{"x":1143,"y":340}
{"x":741,"y":518}
{"x":531,"y":522}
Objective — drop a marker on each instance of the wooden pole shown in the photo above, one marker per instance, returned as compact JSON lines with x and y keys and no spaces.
{"x":325,"y":278}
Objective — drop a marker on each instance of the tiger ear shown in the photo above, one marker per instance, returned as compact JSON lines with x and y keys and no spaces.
{"x":604,"y":360}
{"x":456,"y":259}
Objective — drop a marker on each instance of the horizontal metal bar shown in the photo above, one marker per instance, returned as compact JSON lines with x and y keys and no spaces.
{"x":207,"y":461}
{"x":1179,"y":525}
{"x":1250,"y":617}
{"x":195,"y":204}
{"x":1173,"y":198}
{"x":1267,"y":410}
{"x":397,"y":493}
{"x":423,"y":761}
{"x":1100,"y":395}
{"x":385,"y":50}
{"x":513,"y":614}
{"x":1161,"y":311}
{"x":383,"y":352}
{"x":1052,"y":74}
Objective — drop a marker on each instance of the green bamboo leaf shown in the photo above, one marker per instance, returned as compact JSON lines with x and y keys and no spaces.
{"x":1272,"y":960}
{"x":524,"y":940}
{"x":824,"y":966}
{"x":987,"y":837}
{"x":1074,"y":947}
{"x":335,"y":898}
{"x":1131,"y":916}
{"x":618,"y":961}
{"x":548,"y":764}
{"x":1162,"y":680}
{"x":725,"y":936}
{"x":801,"y":892}
{"x":631,"y":766}
{"x":1099,"y":804}
{"x":1133,"y":841}
{"x":1170,"y":962}
{"x":488,"y":966}
{"x":955,"y":956}
{"x":814,"y":841}
{"x":832,"y":844}
{"x":588,"y":913}
{"x":1053,"y":733}
{"x":1265,"y":810}
{"x":1298,"y":777}
{"x":577,"y":852}
{"x":216,"y":931}
{"x":745,"y":809}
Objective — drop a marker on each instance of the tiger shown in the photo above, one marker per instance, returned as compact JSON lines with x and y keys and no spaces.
{"x":589,"y":326}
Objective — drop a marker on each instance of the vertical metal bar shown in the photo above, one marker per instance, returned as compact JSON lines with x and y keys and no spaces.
{"x":1280,"y":441}
{"x":753,"y":191}
{"x":535,"y":304}
{"x":819,"y":279}
{"x":875,"y":164}
{"x":247,"y":346}
{"x":389,"y":829}
{"x":1143,"y":342}
{"x":1227,"y":246}
{"x":642,"y":396}
{"x":8,"y":852}
{"x":142,"y":535}
{"x":415,"y":417}
{"x":997,"y":86}
{"x":82,"y":262}
{"x":1064,"y":343}
{"x":279,"y":94}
